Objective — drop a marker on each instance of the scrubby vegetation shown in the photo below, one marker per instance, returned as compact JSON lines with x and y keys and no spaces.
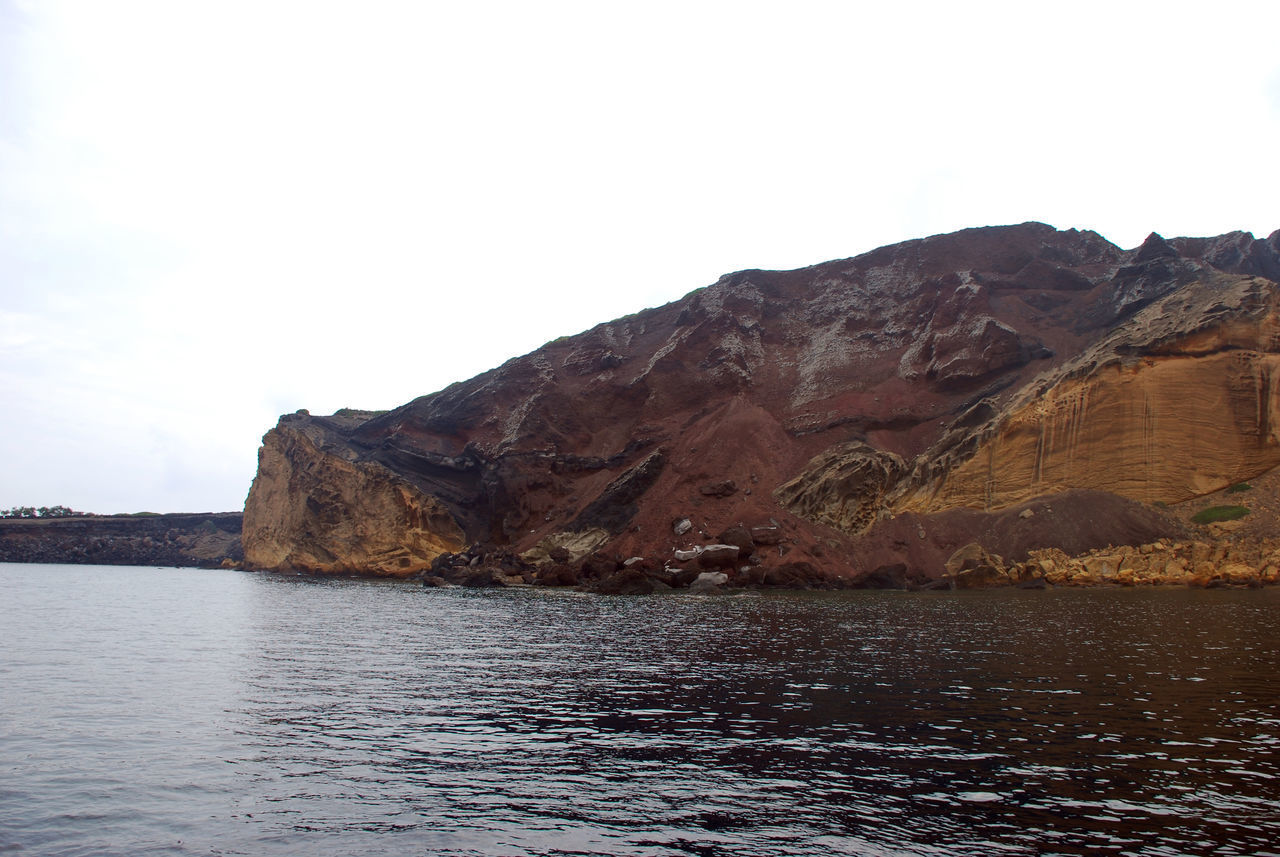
{"x":1238,"y":487}
{"x":358,"y":412}
{"x":40,"y":512}
{"x":1219,"y":513}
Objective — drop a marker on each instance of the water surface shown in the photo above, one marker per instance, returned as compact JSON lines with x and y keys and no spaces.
{"x":172,"y":711}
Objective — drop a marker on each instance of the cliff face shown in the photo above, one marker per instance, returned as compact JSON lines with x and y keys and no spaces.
{"x":817,"y":408}
{"x":315,"y":506}
{"x":1178,"y":402}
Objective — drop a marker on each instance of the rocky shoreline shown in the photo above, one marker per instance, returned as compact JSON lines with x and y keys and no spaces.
{"x":204,"y":540}
{"x":1195,"y":563}
{"x":1221,"y":555}
{"x":1213,"y":562}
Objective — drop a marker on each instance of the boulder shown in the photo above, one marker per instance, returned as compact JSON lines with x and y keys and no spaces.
{"x":685,"y":576}
{"x":474,"y":578}
{"x":565,"y":546}
{"x":558,"y":574}
{"x":972,"y":567}
{"x":597,"y":565}
{"x":981,"y":577}
{"x":632,"y":580}
{"x":971,"y":556}
{"x":1239,"y":574}
{"x":723,"y":488}
{"x":719,"y":556}
{"x":762,"y":536}
{"x":740,"y":537}
{"x":708,"y":581}
{"x":793,"y":575}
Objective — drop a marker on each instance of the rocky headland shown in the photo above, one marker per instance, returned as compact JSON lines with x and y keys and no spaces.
{"x":1004,"y":405}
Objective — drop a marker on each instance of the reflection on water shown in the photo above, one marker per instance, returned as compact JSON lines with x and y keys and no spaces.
{"x":247,"y":714}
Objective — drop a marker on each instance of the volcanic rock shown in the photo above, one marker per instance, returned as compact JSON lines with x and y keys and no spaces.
{"x":708,"y":581}
{"x":770,"y":535}
{"x":881,"y":410}
{"x":972,"y":567}
{"x":208,"y":540}
{"x":719,"y":556}
{"x":740,"y":537}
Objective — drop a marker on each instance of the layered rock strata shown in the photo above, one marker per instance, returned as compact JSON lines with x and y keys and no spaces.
{"x":850,"y":413}
{"x":316,"y":507}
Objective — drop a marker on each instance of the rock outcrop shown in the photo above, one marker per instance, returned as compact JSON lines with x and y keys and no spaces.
{"x":316,"y":506}
{"x":867,"y":417}
{"x":1179,"y":401}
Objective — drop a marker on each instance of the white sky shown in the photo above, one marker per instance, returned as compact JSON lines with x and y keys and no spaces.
{"x":212,"y":213}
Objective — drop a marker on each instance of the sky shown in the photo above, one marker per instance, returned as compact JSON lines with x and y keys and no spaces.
{"x":214,"y":213}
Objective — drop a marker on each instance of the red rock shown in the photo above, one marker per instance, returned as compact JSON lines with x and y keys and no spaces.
{"x":719,"y":556}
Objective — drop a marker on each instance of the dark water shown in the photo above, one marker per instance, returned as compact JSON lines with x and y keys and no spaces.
{"x":164,"y":711}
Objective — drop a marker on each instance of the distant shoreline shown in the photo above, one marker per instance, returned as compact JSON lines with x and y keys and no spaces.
{"x":198,"y":539}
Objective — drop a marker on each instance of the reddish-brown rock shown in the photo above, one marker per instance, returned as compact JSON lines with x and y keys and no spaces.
{"x":853,"y":413}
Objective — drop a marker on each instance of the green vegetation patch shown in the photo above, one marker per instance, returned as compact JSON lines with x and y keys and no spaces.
{"x":1238,"y":487}
{"x":1219,"y":513}
{"x":358,"y":412}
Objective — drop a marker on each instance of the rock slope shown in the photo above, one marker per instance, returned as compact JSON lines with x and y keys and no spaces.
{"x":858,"y":420}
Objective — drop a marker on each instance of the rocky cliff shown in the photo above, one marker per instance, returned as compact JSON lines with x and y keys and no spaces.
{"x":837,"y":422}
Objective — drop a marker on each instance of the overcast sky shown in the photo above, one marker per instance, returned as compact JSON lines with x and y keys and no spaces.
{"x":212,"y":213}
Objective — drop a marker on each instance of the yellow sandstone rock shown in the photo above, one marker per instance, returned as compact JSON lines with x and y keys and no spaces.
{"x":1151,"y":420}
{"x":312,"y":509}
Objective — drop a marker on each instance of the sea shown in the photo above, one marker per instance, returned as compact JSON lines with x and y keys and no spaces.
{"x":168,"y":711}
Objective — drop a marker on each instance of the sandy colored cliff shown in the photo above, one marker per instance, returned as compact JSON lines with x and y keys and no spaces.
{"x":313,"y":507}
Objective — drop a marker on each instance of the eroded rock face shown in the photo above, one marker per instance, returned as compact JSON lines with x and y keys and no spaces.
{"x":820,"y":408}
{"x":845,"y":486}
{"x":315,"y":507}
{"x":1179,"y":402}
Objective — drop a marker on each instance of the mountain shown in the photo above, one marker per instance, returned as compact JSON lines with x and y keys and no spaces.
{"x":857,"y":420}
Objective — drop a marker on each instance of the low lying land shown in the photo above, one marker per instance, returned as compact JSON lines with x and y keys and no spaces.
{"x":204,"y":540}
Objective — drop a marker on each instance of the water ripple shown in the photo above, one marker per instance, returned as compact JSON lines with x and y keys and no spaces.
{"x":178,"y":712}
